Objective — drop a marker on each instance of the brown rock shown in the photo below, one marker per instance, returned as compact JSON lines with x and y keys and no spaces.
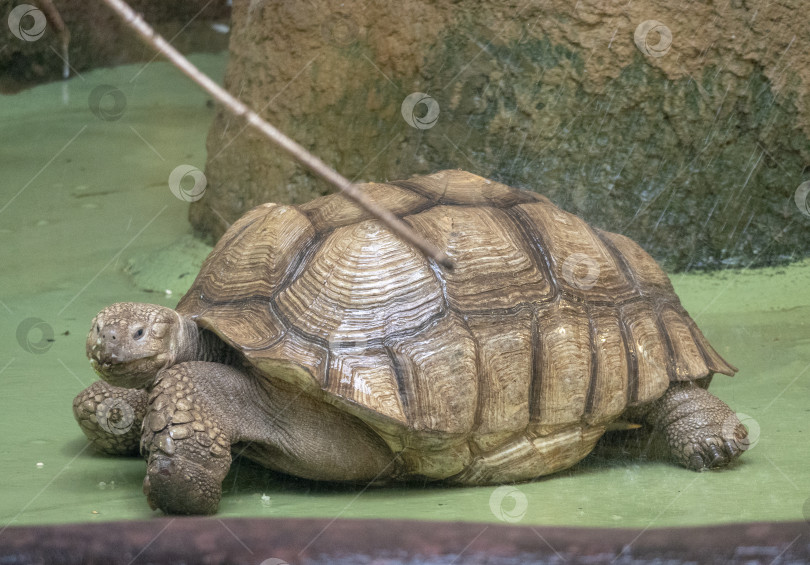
{"x":689,"y":135}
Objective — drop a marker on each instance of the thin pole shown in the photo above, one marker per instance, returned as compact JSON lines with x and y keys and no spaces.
{"x":310,"y":161}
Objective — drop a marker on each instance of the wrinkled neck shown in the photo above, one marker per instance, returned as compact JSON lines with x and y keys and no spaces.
{"x":196,"y":344}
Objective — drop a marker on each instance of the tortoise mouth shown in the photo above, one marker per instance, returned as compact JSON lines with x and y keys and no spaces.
{"x":127,"y":373}
{"x":97,"y":360}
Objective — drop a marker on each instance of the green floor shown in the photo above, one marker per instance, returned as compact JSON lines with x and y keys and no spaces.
{"x":80,"y":197}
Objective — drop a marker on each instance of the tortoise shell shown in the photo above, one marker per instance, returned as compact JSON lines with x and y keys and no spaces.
{"x":544,"y":324}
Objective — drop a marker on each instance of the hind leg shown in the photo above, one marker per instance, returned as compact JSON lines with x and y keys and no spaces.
{"x":111,"y":417}
{"x":698,"y":429}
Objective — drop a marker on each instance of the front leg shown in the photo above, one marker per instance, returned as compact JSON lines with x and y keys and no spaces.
{"x":188,"y":449}
{"x":699,"y":430}
{"x":198,"y":411}
{"x":111,"y":417}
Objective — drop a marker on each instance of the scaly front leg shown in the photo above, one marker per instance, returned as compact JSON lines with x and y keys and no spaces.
{"x":198,"y":411}
{"x":111,"y":417}
{"x":188,"y":447}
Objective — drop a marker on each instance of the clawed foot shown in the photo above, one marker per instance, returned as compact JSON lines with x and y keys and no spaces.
{"x":188,"y":452}
{"x":111,"y":417}
{"x":714,"y":450}
{"x":701,"y":431}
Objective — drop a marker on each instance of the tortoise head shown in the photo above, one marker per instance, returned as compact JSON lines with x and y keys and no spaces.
{"x":129,"y":342}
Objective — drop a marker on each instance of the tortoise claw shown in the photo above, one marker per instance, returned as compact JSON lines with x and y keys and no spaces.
{"x":718,"y":458}
{"x":733,"y":448}
{"x":696,"y":463}
{"x":702,"y":432}
{"x":712,"y":453}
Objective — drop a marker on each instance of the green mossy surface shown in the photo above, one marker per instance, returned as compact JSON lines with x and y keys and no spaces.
{"x":74,"y":214}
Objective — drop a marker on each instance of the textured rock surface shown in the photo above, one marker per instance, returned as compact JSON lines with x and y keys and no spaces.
{"x":694,"y":148}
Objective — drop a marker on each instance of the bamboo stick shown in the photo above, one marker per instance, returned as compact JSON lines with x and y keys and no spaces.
{"x":310,"y":161}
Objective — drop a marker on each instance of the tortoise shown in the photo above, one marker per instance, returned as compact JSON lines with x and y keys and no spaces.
{"x":318,"y":344}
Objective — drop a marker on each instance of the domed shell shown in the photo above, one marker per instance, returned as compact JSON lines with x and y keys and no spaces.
{"x":543,"y":323}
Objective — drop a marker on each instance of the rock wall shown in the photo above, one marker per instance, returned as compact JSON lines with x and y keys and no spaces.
{"x":31,"y":44}
{"x":684,"y":126}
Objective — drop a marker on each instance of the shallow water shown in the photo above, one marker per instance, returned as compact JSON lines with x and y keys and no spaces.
{"x":82,"y":196}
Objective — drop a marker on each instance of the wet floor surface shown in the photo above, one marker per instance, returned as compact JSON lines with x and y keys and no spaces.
{"x":82,"y":194}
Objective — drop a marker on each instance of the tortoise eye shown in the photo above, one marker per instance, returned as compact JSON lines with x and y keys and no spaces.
{"x":138,"y":334}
